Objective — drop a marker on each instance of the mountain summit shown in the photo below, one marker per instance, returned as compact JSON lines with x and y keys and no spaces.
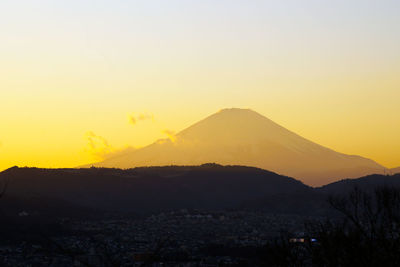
{"x":242,"y":136}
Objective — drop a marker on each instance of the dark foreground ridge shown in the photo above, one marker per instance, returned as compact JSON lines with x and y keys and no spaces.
{"x":146,"y":190}
{"x":150,"y":189}
{"x":367,"y":183}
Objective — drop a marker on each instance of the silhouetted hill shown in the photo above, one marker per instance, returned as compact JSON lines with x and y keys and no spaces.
{"x":367,"y":183}
{"x":144,"y":190}
{"x":395,"y":170}
{"x":244,"y":137}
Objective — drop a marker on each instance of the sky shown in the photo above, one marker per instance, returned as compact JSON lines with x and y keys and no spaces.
{"x":83,"y":80}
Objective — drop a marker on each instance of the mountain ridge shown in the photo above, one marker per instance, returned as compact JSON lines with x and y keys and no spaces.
{"x":366,"y":183}
{"x":395,"y":170}
{"x":148,"y":189}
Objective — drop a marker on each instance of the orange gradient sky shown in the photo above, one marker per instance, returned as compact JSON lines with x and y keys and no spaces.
{"x":81,"y":80}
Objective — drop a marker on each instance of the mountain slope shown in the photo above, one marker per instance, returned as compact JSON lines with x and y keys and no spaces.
{"x":244,"y":137}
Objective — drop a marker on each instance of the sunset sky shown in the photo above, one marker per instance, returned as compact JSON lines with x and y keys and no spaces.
{"x":83,"y":80}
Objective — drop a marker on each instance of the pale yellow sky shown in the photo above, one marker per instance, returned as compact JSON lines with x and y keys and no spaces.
{"x":329,"y":71}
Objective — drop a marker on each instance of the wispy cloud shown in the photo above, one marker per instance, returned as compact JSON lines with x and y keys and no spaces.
{"x":135,"y":118}
{"x":171,"y":134}
{"x":100,"y":149}
{"x":132,"y":119}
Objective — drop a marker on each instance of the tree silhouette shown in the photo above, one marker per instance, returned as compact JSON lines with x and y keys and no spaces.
{"x":368,"y":233}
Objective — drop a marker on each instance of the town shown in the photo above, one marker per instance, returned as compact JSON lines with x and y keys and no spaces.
{"x":176,"y":238}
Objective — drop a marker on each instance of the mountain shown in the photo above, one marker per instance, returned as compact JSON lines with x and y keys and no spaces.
{"x":367,"y":183}
{"x":147,"y":190}
{"x":244,"y":137}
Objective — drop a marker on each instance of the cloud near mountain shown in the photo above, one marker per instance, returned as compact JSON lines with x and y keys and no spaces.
{"x":100,"y":149}
{"x":171,"y":135}
{"x":244,"y":137}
